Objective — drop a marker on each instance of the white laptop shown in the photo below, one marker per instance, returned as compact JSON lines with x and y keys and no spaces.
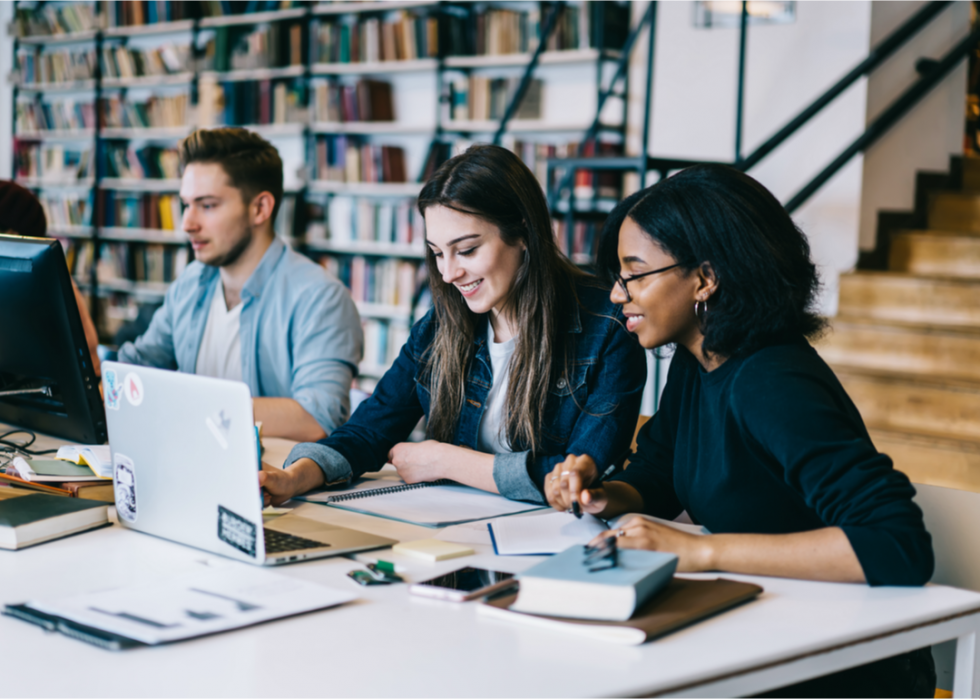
{"x":185,"y":468}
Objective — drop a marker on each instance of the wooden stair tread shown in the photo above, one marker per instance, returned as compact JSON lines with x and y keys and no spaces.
{"x":965,"y":385}
{"x":949,"y":463}
{"x":902,"y":277}
{"x":849,"y":322}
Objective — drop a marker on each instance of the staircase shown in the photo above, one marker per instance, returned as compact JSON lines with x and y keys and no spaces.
{"x":906,"y":340}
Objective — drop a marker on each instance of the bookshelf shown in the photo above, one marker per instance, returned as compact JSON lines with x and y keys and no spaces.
{"x":161,"y":69}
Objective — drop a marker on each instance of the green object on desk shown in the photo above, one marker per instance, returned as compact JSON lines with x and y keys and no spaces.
{"x":385,"y":566}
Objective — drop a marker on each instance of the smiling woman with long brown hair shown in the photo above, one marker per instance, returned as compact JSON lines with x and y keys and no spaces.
{"x":522,"y":360}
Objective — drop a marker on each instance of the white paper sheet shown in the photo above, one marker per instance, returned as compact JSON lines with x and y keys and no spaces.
{"x":541,"y":534}
{"x":195,"y":604}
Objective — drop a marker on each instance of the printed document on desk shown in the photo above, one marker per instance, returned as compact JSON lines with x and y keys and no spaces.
{"x":437,"y":504}
{"x":556,"y":531}
{"x":194,"y":604}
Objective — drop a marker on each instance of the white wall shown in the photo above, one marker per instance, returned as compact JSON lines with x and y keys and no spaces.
{"x":787,"y":66}
{"x":931,"y":132}
{"x":6,"y":94}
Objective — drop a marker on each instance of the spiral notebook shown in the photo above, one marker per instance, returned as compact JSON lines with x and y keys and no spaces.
{"x":436,"y":504}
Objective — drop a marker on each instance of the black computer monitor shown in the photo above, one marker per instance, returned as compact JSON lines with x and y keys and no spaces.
{"x":47,"y":382}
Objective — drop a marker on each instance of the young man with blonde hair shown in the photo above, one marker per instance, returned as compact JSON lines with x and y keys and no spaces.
{"x":250,"y":308}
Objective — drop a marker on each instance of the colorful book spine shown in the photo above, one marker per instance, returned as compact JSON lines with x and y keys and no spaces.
{"x":349,"y":159}
{"x":158,"y":111}
{"x":402,"y":37}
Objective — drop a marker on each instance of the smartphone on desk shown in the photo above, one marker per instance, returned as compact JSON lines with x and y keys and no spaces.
{"x":464,"y":584}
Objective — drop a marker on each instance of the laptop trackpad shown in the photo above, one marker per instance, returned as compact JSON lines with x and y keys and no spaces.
{"x":306,"y":528}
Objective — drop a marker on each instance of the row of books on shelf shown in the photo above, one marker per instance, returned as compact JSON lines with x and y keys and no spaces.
{"x":49,"y":19}
{"x":34,"y":66}
{"x":350,"y":159}
{"x":269,"y":45}
{"x":52,"y":162}
{"x":347,"y":220}
{"x":133,"y":210}
{"x":137,"y":262}
{"x":496,"y":31}
{"x":365,"y":100}
{"x":251,"y":102}
{"x":72,"y":209}
{"x":57,"y":115}
{"x":149,"y":162}
{"x":584,"y":239}
{"x":383,"y":341}
{"x":479,"y":98}
{"x":130,"y":13}
{"x":383,"y":281}
{"x":131,"y":62}
{"x":158,"y":111}
{"x":406,"y":37}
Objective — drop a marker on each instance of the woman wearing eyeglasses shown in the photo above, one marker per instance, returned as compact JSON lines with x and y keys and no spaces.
{"x":522,"y":360}
{"x":755,"y":437}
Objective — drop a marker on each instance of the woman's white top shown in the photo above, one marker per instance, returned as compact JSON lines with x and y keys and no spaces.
{"x":220,"y":355}
{"x":492,"y":438}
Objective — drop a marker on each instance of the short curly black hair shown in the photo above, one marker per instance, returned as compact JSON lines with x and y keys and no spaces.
{"x":767,"y":283}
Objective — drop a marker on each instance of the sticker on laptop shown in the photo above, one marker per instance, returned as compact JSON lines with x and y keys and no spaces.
{"x":113,"y":389}
{"x":219,"y":425}
{"x":124,"y":484}
{"x":133,"y":387}
{"x":236,"y":531}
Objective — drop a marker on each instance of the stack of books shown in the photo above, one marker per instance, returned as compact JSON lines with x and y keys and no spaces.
{"x":133,"y":210}
{"x":141,"y":263}
{"x":158,"y":111}
{"x":126,"y":62}
{"x":347,"y":159}
{"x":244,"y":103}
{"x":59,"y":115}
{"x":52,"y":162}
{"x":151,"y":162}
{"x":129,"y":14}
{"x":366,"y":100}
{"x":35,"y":67}
{"x":272,"y":45}
{"x":367,"y":40}
{"x":479,"y":98}
{"x":347,"y":220}
{"x":68,"y":209}
{"x":382,"y":281}
{"x":55,"y":20}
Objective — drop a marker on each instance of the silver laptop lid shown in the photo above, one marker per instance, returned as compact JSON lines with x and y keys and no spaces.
{"x":185,"y":458}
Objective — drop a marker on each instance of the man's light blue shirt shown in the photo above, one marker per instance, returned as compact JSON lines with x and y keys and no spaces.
{"x":300,"y":332}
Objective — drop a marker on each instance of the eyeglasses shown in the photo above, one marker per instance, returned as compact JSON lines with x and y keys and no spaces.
{"x":603,"y":556}
{"x":623,"y":281}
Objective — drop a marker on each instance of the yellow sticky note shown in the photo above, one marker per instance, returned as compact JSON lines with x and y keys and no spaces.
{"x":432,"y":549}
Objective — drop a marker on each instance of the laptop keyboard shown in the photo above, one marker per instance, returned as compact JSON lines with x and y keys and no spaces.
{"x":277,"y":542}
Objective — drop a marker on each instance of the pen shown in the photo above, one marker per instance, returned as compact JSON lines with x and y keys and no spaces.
{"x":576,"y":509}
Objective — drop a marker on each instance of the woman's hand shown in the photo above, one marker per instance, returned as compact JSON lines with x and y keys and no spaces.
{"x":418,"y":462}
{"x":568,"y":483}
{"x":280,"y":484}
{"x":694,"y":551}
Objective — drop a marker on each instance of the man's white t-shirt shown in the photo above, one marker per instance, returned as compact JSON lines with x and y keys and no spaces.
{"x":492,"y":438}
{"x":220,"y":355}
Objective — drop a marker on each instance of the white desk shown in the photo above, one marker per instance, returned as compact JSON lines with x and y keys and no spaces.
{"x":390,"y":643}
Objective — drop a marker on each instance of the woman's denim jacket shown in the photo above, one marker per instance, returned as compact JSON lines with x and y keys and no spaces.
{"x":594,"y":413}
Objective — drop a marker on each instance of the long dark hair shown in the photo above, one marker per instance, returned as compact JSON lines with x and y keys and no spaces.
{"x":493,"y":183}
{"x":767,"y":283}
